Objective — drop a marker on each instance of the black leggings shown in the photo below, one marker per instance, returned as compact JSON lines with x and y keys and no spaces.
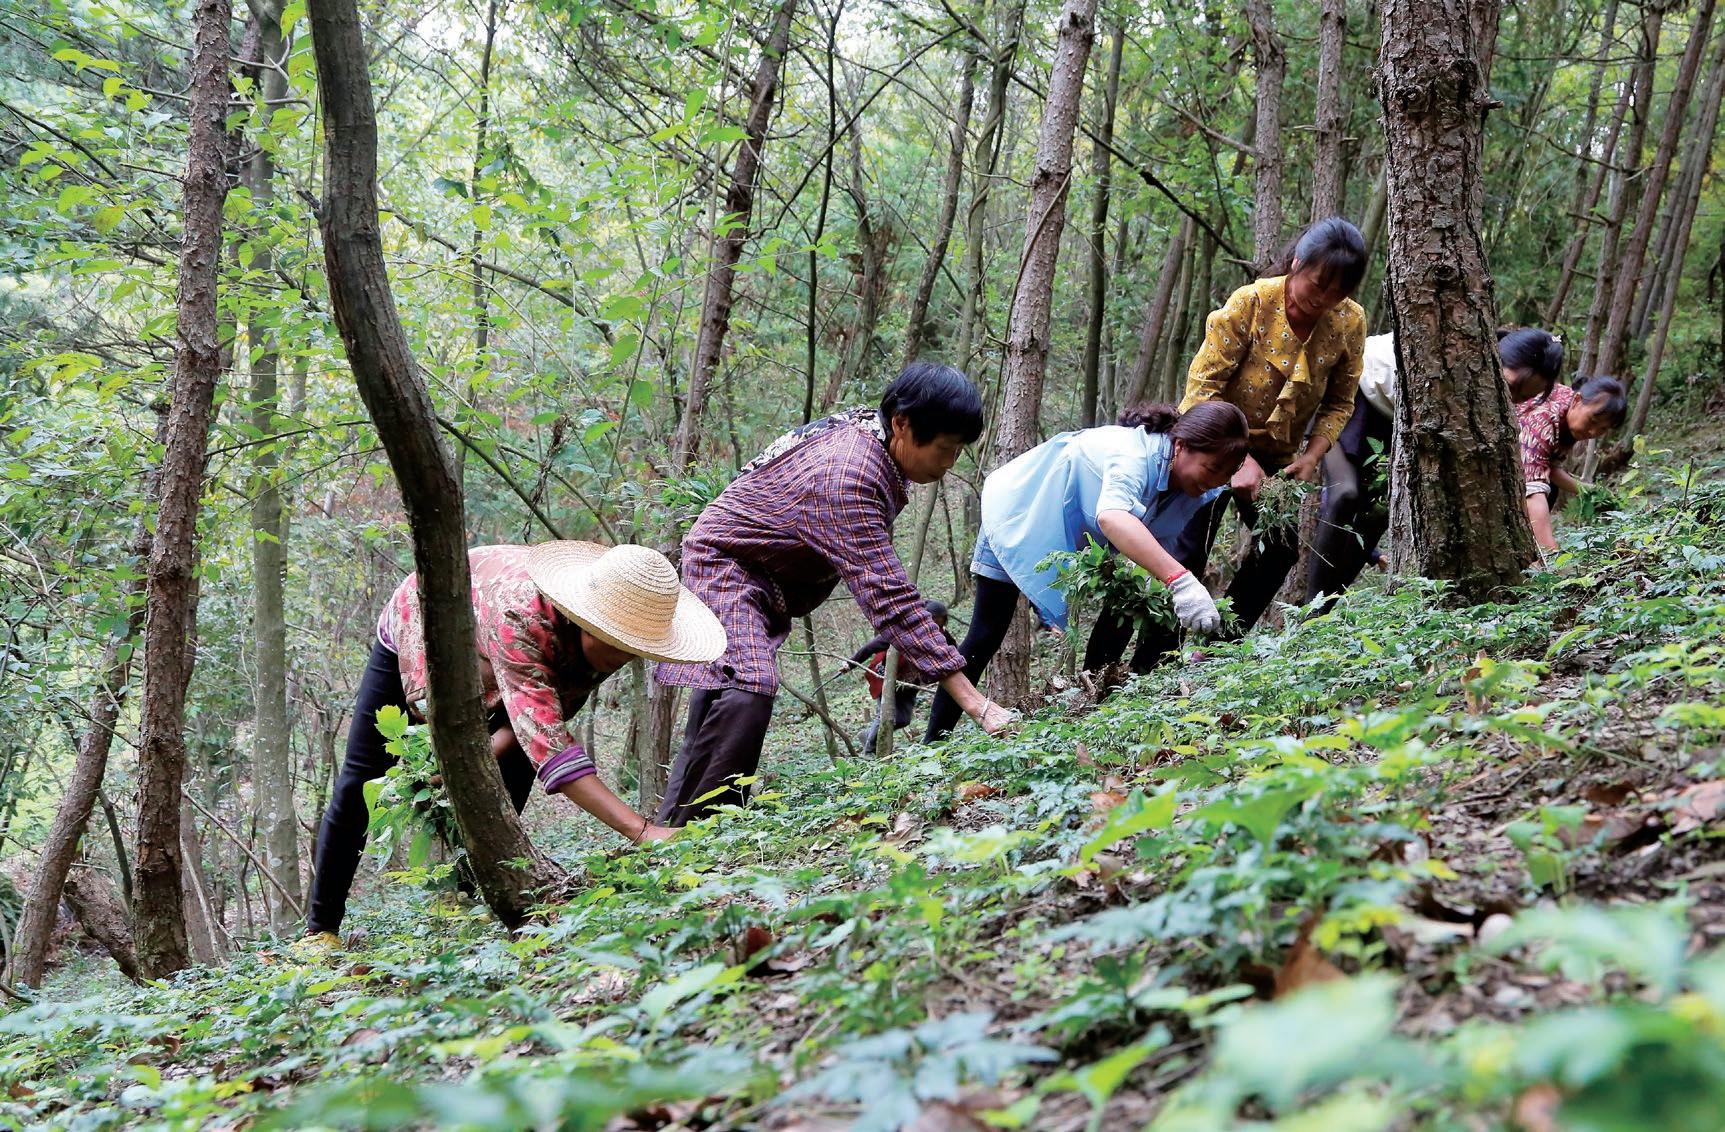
{"x":1351,"y":523}
{"x":996,"y":602}
{"x":341,"y":837}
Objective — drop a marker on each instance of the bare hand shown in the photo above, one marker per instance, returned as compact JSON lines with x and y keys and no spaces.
{"x":657,"y":833}
{"x":1248,"y":479}
{"x":1306,"y":468}
{"x":995,"y":719}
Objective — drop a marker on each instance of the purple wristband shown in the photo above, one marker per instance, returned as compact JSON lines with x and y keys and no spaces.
{"x":566,"y":766}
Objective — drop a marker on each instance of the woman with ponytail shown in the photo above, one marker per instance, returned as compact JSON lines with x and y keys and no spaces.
{"x":1131,"y":487}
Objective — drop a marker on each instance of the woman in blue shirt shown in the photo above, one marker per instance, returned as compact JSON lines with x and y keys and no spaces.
{"x":1132,"y":487}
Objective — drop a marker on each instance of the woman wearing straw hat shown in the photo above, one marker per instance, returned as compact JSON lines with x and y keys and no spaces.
{"x":553,"y":621}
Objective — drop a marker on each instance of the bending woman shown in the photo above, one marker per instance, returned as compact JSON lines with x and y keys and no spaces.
{"x":1355,"y":514}
{"x":1129,"y":488}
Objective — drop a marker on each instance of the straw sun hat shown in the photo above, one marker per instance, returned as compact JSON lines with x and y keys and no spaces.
{"x":627,"y":596}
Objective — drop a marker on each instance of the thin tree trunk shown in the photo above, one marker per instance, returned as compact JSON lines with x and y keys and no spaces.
{"x":1589,"y":181}
{"x":1174,"y":350}
{"x":821,"y":216}
{"x":874,"y":237}
{"x":1622,"y":187}
{"x":1033,"y":294}
{"x":1272,"y":66}
{"x":1110,"y":392}
{"x":1697,"y":159}
{"x":203,"y":920}
{"x":401,"y":411}
{"x":819,"y":692}
{"x":1456,"y":498}
{"x":1683,"y":227}
{"x":272,"y":766}
{"x":159,"y":929}
{"x":1098,"y":295}
{"x":103,"y":919}
{"x":481,"y":290}
{"x":886,"y":712}
{"x":915,"y":327}
{"x":728,"y":246}
{"x":42,"y":901}
{"x":983,"y":165}
{"x":1629,"y":277}
{"x":1155,"y":319}
{"x":1327,"y":120}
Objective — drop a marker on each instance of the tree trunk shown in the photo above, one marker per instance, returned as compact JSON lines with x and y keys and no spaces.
{"x":1155,"y":319}
{"x":983,"y":165}
{"x":1033,"y":295}
{"x":1174,"y":349}
{"x":1622,"y":186}
{"x":820,"y":222}
{"x":728,"y":246}
{"x":1697,"y":159}
{"x":272,"y":760}
{"x":1683,"y":221}
{"x":1099,"y":236}
{"x":1327,"y":120}
{"x":203,"y":918}
{"x":401,"y":411}
{"x":1272,"y":65}
{"x":170,"y":651}
{"x":481,"y":288}
{"x":1589,"y":183}
{"x":103,"y":919}
{"x":1456,"y":497}
{"x":1629,"y":276}
{"x":915,"y":326}
{"x":42,"y":901}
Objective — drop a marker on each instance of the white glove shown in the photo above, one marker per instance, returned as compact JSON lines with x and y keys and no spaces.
{"x":1193,"y":604}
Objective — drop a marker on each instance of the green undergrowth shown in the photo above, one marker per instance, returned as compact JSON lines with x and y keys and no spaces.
{"x":1207,"y":903}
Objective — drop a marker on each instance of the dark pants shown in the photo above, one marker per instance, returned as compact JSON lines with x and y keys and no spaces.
{"x":990,"y":618}
{"x":721,"y":744}
{"x":1355,"y":514}
{"x":903,"y":707}
{"x":341,"y":837}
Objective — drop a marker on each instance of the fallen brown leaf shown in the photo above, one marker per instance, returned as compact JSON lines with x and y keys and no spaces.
{"x":906,"y":830}
{"x":361,"y":1035}
{"x":1536,"y":1109}
{"x":19,"y":1091}
{"x":753,"y":940}
{"x":976,"y":791}
{"x":1305,"y":964}
{"x":1103,"y":801}
{"x":1475,"y":703}
{"x":1697,"y":805}
{"x":1081,"y":755}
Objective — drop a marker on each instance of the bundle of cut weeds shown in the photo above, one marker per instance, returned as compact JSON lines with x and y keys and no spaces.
{"x":1280,"y":500}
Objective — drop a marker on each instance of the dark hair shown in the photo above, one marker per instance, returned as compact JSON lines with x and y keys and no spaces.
{"x":1531,"y":349}
{"x":936,"y":609}
{"x":1332,"y":250}
{"x":937,"y":399}
{"x":1616,"y":407}
{"x":1208,"y":426}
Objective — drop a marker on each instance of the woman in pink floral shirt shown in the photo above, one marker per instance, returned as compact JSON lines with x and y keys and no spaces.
{"x":1550,"y":427}
{"x":552,"y":622}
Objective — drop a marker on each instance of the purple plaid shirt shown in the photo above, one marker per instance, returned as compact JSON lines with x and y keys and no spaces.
{"x":775,"y":543}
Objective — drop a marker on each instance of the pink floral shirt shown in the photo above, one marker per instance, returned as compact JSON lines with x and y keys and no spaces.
{"x":530,"y":659}
{"x":1542,"y":433}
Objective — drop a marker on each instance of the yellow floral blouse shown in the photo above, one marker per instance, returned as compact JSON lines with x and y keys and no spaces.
{"x":1252,"y":359}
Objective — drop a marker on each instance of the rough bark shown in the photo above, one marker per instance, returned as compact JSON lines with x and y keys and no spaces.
{"x":1328,"y":119}
{"x":272,"y":766}
{"x":1272,"y":66}
{"x":203,"y":917}
{"x":1629,"y":275}
{"x":1683,"y":222}
{"x":1622,"y":187}
{"x":733,"y":234}
{"x":1098,"y":243}
{"x":1590,"y":180}
{"x":401,"y":410}
{"x":1150,"y":336}
{"x":103,"y":918}
{"x":159,"y":929}
{"x":42,"y":899}
{"x":1456,"y":487}
{"x":1033,"y":295}
{"x":916,"y":325}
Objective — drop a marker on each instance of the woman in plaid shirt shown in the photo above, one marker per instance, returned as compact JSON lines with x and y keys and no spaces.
{"x":816,"y":508}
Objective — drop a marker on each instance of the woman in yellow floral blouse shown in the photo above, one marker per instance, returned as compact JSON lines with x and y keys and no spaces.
{"x":1287,"y":350}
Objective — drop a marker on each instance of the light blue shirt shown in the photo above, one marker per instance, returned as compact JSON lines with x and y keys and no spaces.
{"x":1047,"y":500}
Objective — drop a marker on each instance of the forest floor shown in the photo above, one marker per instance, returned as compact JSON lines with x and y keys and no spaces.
{"x":1397,"y":865}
